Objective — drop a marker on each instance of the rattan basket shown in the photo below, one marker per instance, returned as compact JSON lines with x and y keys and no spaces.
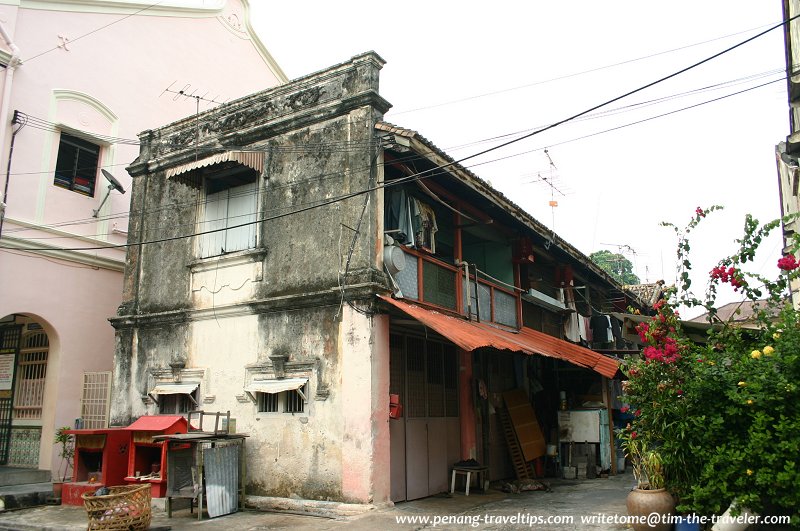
{"x":125,"y":508}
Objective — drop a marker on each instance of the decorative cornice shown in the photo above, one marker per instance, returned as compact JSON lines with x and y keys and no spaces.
{"x":86,"y":99}
{"x":79,"y":257}
{"x":305,"y":101}
{"x":330,"y":297}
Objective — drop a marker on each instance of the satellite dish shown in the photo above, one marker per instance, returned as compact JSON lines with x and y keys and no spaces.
{"x":113,"y":184}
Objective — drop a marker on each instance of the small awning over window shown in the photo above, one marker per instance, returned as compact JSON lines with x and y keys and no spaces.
{"x":251,"y":159}
{"x":174,"y":389}
{"x":276,"y":386}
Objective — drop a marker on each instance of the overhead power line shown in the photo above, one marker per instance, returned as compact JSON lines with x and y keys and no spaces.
{"x":336,"y":174}
{"x":433,"y":171}
{"x":574,"y":74}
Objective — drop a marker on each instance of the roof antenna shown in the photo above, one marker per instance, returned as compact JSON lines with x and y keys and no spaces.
{"x":185,"y":93}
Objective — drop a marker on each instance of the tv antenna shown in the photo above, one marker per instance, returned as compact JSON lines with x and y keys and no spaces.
{"x":549,"y":181}
{"x":622,"y":249}
{"x":113,"y":184}
{"x":188,"y":92}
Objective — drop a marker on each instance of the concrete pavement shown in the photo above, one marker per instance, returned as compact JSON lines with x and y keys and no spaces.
{"x":563,"y":508}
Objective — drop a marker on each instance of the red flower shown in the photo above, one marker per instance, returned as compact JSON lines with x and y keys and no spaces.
{"x":788,"y":263}
{"x":637,"y":412}
{"x":680,"y":392}
{"x":699,"y":212}
{"x":634,"y":435}
{"x":624,"y":409}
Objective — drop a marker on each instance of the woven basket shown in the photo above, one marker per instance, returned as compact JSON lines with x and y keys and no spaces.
{"x":125,"y":508}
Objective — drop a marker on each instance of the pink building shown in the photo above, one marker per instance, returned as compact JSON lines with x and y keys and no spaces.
{"x":80,"y":81}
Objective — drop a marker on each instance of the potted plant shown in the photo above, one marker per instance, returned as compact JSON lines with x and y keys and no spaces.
{"x":649,"y":496}
{"x":66,"y":451}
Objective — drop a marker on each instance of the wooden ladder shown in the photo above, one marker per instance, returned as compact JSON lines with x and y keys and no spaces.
{"x":520,"y":466}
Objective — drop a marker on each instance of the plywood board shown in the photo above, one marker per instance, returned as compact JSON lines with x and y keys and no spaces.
{"x":529,"y":433}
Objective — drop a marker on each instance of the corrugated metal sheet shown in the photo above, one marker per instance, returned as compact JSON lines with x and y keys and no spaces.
{"x":222,"y":479}
{"x":251,"y":159}
{"x":471,"y":335}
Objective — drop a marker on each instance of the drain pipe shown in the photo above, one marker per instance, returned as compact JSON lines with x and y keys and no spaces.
{"x":4,"y":201}
{"x":6,"y":105}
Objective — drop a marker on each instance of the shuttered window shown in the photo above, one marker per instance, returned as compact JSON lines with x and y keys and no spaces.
{"x":230,"y":213}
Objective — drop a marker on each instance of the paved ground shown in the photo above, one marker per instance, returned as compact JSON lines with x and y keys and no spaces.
{"x":569,"y":502}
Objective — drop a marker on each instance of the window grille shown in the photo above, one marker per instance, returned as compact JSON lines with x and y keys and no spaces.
{"x":95,"y":399}
{"x":32,"y":367}
{"x":267,"y":402}
{"x":294,"y":401}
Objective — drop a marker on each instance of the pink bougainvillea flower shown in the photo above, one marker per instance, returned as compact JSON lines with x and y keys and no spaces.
{"x":788,"y":263}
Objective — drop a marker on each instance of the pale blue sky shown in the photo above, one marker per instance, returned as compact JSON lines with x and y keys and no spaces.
{"x":464,"y":72}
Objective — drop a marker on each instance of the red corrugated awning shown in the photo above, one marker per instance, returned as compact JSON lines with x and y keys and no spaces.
{"x":470,"y":335}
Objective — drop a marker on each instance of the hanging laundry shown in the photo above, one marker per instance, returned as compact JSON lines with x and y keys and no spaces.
{"x":601,"y":329}
{"x":427,"y":227}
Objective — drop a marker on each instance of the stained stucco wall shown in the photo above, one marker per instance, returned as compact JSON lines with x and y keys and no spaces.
{"x":227,"y":317}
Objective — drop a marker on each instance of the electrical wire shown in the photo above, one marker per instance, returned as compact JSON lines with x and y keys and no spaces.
{"x":574,"y":74}
{"x":269,"y":190}
{"x":335,"y":174}
{"x":432,"y":172}
{"x":28,"y":60}
{"x":314,"y":204}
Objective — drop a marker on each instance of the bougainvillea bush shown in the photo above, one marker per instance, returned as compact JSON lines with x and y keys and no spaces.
{"x":724,"y":413}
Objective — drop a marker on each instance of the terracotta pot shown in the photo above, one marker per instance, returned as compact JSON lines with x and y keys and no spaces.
{"x":642,"y":503}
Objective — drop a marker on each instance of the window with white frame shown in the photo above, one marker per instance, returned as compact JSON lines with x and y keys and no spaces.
{"x":229,"y":212}
{"x":177,"y":404}
{"x":76,"y":165}
{"x":291,"y":401}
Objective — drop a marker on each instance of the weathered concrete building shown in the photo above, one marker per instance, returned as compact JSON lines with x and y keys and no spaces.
{"x":787,"y":154}
{"x":295,"y":260}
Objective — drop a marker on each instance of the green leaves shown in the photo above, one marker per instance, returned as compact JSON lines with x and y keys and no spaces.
{"x":724,"y":417}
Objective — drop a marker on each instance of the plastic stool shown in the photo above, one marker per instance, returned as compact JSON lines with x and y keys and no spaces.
{"x":481,"y":473}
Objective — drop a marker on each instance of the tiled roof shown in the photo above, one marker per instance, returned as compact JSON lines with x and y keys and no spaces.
{"x":648,"y":293}
{"x":736,"y":312}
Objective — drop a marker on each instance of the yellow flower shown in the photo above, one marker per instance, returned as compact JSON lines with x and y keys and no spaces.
{"x":755,"y":354}
{"x":711,"y":363}
{"x":749,"y":402}
{"x":742,"y":384}
{"x":749,"y":472}
{"x":768,"y":350}
{"x":776,"y":336}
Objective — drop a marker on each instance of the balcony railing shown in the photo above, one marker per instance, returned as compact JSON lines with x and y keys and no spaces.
{"x":434,"y":282}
